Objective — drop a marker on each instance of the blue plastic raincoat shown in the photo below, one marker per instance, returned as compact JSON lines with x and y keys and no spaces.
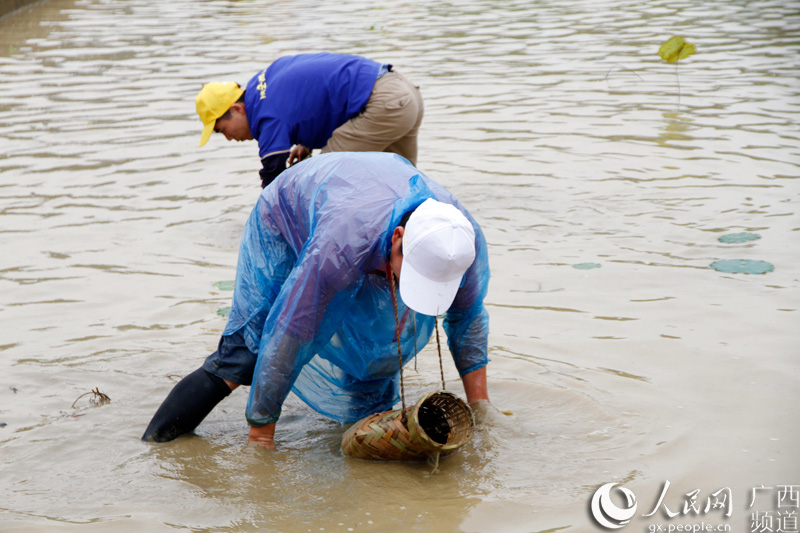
{"x":312,"y":297}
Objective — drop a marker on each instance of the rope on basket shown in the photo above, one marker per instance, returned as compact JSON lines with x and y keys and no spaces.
{"x":436,"y":426}
{"x":414,"y":322}
{"x":397,"y":334}
{"x":439,"y":347}
{"x":399,"y":349}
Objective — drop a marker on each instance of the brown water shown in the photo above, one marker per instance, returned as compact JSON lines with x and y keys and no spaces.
{"x":567,"y":137}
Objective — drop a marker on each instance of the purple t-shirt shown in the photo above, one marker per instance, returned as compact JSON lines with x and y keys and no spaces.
{"x":301,"y":99}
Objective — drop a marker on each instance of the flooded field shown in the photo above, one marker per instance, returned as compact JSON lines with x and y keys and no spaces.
{"x":644,"y":238}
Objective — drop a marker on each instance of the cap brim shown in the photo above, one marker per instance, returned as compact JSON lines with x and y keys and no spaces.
{"x":425,"y":296}
{"x":208,"y":129}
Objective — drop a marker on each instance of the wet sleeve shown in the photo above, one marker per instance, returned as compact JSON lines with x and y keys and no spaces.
{"x":272,"y":165}
{"x":274,"y":143}
{"x":309,"y":309}
{"x":467,"y":321}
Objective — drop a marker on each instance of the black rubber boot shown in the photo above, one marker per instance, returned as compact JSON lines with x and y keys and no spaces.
{"x":186,"y":406}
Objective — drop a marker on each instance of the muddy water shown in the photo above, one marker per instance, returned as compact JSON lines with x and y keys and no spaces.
{"x":603,"y":176}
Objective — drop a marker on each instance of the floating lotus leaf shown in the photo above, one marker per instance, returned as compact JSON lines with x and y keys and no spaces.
{"x":739,"y":237}
{"x":225,"y":311}
{"x":676,"y":48}
{"x":586,"y":266}
{"x":224,"y":285}
{"x":742,"y":266}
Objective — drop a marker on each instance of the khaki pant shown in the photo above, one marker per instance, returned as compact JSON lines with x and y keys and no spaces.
{"x":389,"y":122}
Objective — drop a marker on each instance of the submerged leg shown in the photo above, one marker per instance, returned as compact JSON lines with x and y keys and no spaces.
{"x":186,"y":406}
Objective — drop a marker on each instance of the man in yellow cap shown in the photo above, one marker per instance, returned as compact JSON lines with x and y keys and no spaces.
{"x":333,"y":102}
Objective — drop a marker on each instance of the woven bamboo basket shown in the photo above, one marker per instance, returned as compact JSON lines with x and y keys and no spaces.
{"x":437,"y":425}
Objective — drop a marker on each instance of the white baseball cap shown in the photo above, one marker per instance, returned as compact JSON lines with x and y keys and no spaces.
{"x":438,"y":247}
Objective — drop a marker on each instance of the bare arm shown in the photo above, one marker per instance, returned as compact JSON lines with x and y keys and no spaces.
{"x":260,"y":435}
{"x":263,"y":436}
{"x":475,"y":385}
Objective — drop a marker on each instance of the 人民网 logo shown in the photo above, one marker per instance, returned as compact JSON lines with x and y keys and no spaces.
{"x":606,"y":512}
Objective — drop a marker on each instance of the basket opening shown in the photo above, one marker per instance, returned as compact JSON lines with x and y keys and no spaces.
{"x":433,"y":421}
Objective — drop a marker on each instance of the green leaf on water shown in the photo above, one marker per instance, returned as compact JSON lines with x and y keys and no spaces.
{"x":742,"y":266}
{"x":225,"y":311}
{"x":739,"y":237}
{"x":224,"y":285}
{"x":675,"y":49}
{"x":586,"y":266}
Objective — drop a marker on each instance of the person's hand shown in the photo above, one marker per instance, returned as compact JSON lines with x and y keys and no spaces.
{"x":486,"y":414}
{"x":297,"y":154}
{"x":480,"y":405}
{"x":263,"y":436}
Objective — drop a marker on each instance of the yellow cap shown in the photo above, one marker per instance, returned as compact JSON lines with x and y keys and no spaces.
{"x":213,"y":101}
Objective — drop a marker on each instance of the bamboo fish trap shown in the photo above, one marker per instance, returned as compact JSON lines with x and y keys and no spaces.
{"x":436,"y":426}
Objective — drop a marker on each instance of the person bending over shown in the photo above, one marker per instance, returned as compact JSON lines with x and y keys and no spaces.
{"x":313,"y":309}
{"x":334,"y":102}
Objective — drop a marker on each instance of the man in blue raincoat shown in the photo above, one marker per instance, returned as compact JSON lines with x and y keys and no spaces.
{"x":313,"y":309}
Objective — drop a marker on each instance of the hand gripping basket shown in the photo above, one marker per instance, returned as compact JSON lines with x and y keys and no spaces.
{"x":436,"y":426}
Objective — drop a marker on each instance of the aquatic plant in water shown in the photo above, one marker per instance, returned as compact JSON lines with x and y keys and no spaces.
{"x":224,"y":286}
{"x":739,"y":237}
{"x":742,"y":266}
{"x":97,"y":398}
{"x":672,"y":51}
